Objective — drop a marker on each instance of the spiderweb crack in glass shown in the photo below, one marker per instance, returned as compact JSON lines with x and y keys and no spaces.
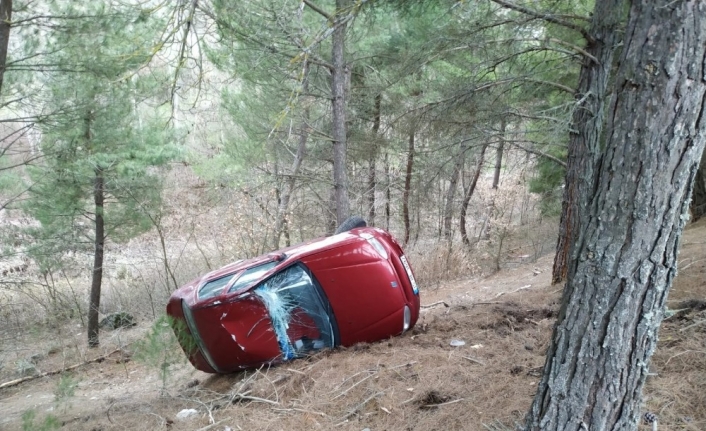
{"x":299,"y":320}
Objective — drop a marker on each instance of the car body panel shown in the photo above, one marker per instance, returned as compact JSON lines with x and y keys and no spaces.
{"x":339,"y":290}
{"x":344,"y":277}
{"x":240,"y":332}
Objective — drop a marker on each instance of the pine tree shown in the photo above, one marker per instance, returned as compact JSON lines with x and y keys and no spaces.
{"x":98,"y":178}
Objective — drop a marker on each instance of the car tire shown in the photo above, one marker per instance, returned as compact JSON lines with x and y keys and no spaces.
{"x":351,"y":223}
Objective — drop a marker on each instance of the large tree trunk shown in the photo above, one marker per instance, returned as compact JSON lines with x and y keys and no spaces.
{"x":408,"y":188}
{"x":616,"y":289}
{"x":338,"y":101}
{"x":468,"y":194}
{"x":5,"y":24}
{"x":97,"y":276}
{"x":584,"y":141}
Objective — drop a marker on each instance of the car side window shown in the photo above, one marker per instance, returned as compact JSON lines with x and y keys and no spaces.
{"x":298,"y":312}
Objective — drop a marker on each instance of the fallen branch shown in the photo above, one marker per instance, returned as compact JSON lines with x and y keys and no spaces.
{"x":473,"y":360}
{"x":51,"y":373}
{"x":258,"y":399}
{"x":359,"y":406}
{"x":408,"y":364}
{"x":352,"y":377}
{"x":514,"y":291}
{"x":354,"y":385}
{"x":435,"y":304}
{"x":683,"y":353}
{"x":700,"y":322}
{"x":244,"y":396}
{"x":295,"y":409}
{"x":432,"y":406}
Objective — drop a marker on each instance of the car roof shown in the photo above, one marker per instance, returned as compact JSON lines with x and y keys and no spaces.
{"x":288,"y":254}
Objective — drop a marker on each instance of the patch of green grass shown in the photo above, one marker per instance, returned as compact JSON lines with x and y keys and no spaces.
{"x":28,"y":422}
{"x":160,"y":348}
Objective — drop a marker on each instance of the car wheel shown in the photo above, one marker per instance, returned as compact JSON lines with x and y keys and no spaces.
{"x":351,"y":223}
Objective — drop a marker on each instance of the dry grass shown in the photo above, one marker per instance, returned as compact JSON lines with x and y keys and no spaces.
{"x":676,"y":391}
{"x":417,"y":381}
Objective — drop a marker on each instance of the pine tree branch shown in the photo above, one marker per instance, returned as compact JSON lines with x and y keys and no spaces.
{"x":319,"y":10}
{"x":554,"y":159}
{"x":546,"y":17}
{"x":552,"y":84}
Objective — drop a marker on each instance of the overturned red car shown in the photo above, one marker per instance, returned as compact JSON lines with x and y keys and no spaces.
{"x":352,"y":287}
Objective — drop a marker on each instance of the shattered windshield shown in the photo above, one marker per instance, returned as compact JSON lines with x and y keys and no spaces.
{"x":244,"y":278}
{"x":298,"y":311}
{"x":251,"y":274}
{"x":214,"y":287}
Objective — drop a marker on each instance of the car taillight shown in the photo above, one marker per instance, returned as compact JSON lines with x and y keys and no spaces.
{"x":191,"y":324}
{"x":376,"y":244}
{"x":407,"y":319}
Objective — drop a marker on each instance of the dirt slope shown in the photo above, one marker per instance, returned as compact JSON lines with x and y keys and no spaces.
{"x":418,"y":381}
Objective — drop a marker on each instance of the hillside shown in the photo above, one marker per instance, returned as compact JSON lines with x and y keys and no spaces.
{"x":418,"y":381}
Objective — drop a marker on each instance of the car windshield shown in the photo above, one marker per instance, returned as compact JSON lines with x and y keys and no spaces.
{"x":245,"y":278}
{"x":298,"y":312}
{"x":251,"y":274}
{"x":214,"y":287}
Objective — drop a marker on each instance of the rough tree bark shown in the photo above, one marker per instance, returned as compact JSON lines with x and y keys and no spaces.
{"x":338,"y":102}
{"x":97,"y":275}
{"x":388,"y":192}
{"x":499,"y":154}
{"x":372,"y":180}
{"x":451,"y":191}
{"x":468,"y":194}
{"x":407,"y":188}
{"x":584,"y":140}
{"x":698,"y":198}
{"x":626,"y":251}
{"x":5,"y":24}
{"x":98,"y":242}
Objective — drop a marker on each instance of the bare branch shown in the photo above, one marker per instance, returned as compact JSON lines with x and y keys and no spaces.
{"x":318,"y":10}
{"x":546,"y":17}
{"x":538,"y":153}
{"x":553,"y":84}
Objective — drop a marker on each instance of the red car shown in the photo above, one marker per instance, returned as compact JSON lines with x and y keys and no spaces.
{"x":352,"y":287}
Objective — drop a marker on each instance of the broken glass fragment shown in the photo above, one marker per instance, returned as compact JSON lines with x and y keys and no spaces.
{"x":298,"y":312}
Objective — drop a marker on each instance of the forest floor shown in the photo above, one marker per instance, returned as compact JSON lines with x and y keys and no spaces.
{"x":471,"y":363}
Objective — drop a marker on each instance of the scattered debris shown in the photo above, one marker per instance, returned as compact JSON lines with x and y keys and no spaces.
{"x":457,"y":343}
{"x":355,"y":409}
{"x":516,"y":369}
{"x":650,"y":419}
{"x":186,"y":413}
{"x":434,"y":399}
{"x":535,"y":372}
{"x":121,"y":319}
